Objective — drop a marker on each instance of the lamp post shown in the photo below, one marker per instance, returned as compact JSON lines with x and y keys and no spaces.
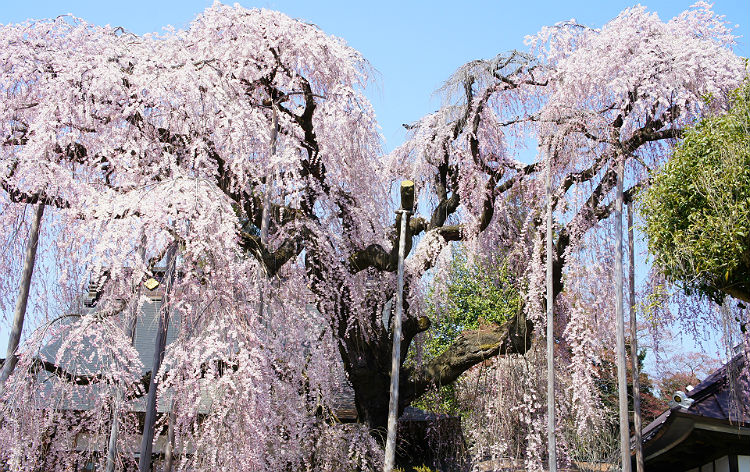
{"x":407,"y":203}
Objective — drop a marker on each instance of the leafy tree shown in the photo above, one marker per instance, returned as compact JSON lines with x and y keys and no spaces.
{"x":475,"y":294}
{"x":676,"y":381}
{"x":651,"y":406}
{"x":698,"y":209}
{"x":681,"y":369}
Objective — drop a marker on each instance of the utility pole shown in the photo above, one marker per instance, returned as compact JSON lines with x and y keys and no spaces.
{"x":622,"y":381}
{"x":407,"y":203}
{"x":634,"y":344}
{"x":551,"y":440}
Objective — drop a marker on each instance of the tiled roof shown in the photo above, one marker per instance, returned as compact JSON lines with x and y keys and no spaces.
{"x":145,"y":333}
{"x":725,"y":394}
{"x":712,"y":423}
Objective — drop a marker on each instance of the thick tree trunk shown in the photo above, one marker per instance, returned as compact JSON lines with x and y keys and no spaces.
{"x":367,"y":356}
{"x":371,"y":396}
{"x":367,"y":364}
{"x":19,"y":313}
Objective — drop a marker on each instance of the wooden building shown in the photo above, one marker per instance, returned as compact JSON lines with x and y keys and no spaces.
{"x":706,"y":429}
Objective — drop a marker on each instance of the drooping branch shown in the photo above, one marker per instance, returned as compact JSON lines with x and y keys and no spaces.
{"x":374,"y":256}
{"x":467,"y":124}
{"x":586,"y":218}
{"x":38,"y":365}
{"x":592,"y":211}
{"x":33,"y":198}
{"x":521,"y":173}
{"x":411,"y":327}
{"x":138,"y":389}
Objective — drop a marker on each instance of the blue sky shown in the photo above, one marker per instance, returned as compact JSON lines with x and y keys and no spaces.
{"x":413,"y":46}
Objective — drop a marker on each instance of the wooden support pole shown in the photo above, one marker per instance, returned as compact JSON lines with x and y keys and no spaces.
{"x":551,"y":440}
{"x":622,"y":381}
{"x":130,"y":323}
{"x":169,"y":448}
{"x":637,"y":421}
{"x":144,"y":460}
{"x":19,"y":313}
{"x":407,"y":203}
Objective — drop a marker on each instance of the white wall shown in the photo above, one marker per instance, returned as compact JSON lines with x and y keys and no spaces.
{"x":708,"y":467}
{"x":721,"y":465}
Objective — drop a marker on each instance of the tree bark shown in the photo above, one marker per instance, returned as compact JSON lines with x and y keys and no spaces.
{"x":367,"y":365}
{"x":367,"y":358}
{"x":739,"y":294}
{"x":19,"y":313}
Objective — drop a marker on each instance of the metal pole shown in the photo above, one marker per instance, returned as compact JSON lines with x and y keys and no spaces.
{"x":634,"y":344}
{"x":23,"y":297}
{"x":144,"y":461}
{"x":622,"y":382}
{"x":551,"y":440}
{"x":390,"y":444}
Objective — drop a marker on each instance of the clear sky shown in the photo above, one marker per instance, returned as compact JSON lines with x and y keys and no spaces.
{"x":413,"y":45}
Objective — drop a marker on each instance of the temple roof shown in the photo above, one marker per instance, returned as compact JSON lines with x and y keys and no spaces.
{"x":712,"y":422}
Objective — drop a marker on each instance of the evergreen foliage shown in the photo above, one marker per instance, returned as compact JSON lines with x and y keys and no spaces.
{"x":476,"y":293}
{"x":698,"y":210}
